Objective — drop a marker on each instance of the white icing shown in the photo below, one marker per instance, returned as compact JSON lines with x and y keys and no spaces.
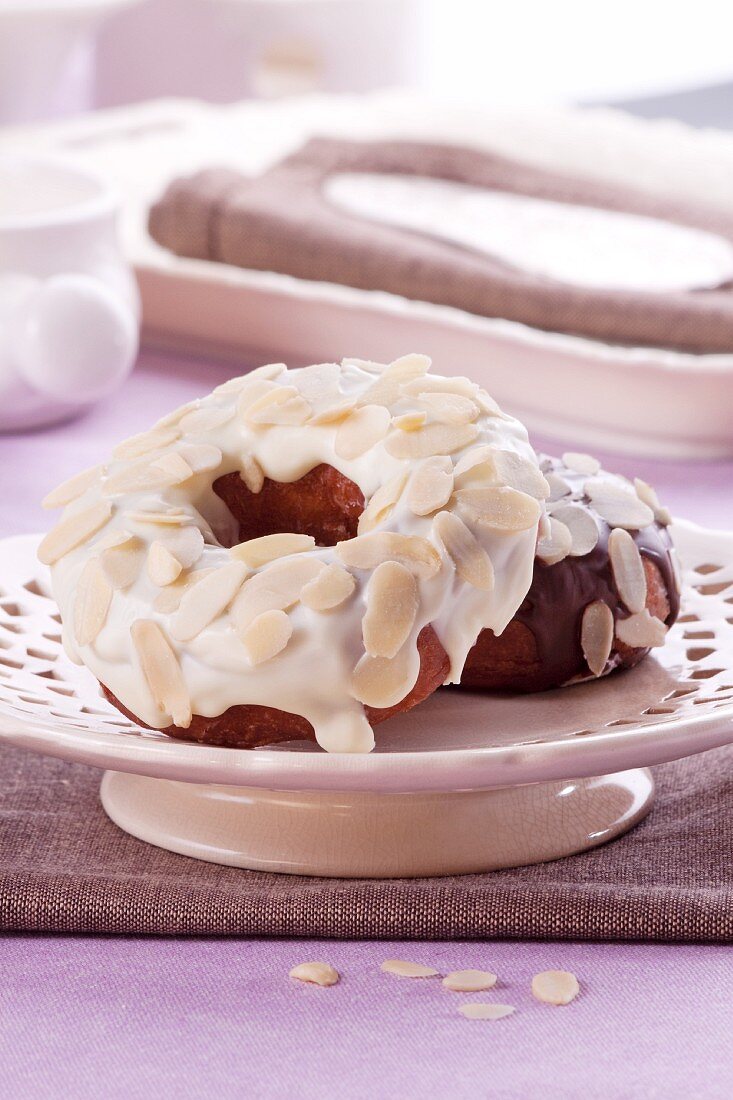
{"x":312,"y":675}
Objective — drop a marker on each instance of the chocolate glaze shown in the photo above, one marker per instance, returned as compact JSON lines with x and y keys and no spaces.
{"x":553,"y":608}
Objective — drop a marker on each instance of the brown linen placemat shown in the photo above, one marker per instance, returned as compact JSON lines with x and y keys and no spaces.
{"x":282,"y":221}
{"x":64,"y":867}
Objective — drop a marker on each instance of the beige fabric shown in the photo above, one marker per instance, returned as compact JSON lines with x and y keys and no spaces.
{"x":65,"y":867}
{"x":280,"y":221}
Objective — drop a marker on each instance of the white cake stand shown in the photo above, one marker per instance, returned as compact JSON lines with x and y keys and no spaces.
{"x":462,"y":783}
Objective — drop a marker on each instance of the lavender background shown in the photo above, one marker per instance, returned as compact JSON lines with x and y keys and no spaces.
{"x":139,"y":1018}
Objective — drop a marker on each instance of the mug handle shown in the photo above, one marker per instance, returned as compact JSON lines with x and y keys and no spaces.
{"x":75,"y":339}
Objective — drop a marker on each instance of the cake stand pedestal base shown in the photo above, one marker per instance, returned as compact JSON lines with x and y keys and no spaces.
{"x":356,"y":834}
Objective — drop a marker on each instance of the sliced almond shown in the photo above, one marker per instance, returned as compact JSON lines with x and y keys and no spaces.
{"x":489,"y":406}
{"x":266,"y":636}
{"x":368,"y":551}
{"x":559,"y":488}
{"x":285,"y":407}
{"x":361,"y":431}
{"x":434,"y":383}
{"x":72,"y":531}
{"x":596,"y":635}
{"x":317,"y":973}
{"x":649,"y":497}
{"x":431,"y":485}
{"x":556,"y":544}
{"x":318,"y":382}
{"x":367,"y":365}
{"x":186,"y":545}
{"x":628,"y":569}
{"x":384,"y":681}
{"x":555,"y":987}
{"x":276,"y":588}
{"x":617,"y":504}
{"x":72,"y":489}
{"x":581,"y":525}
{"x":471,"y":561}
{"x":469,"y":981}
{"x":251,"y":473}
{"x":91,"y":603}
{"x":163,"y":568}
{"x":143,"y":476}
{"x":206,"y":419}
{"x":386,"y":390}
{"x":174,"y":467}
{"x":392,"y":600}
{"x":162,"y":671}
{"x":403,"y":969}
{"x":258,"y":552}
{"x":169,"y":599}
{"x":449,"y":408}
{"x":486,"y":1011}
{"x":251,"y":392}
{"x":328,"y":589}
{"x":208,"y":599}
{"x":581,"y":463}
{"x":641,"y":630}
{"x":493,"y":466}
{"x":433,"y":439}
{"x":122,"y":562}
{"x":154,"y":440}
{"x":382,"y":503}
{"x":474,"y":459}
{"x":500,"y":509}
{"x":201,"y":457}
{"x":410,"y":421}
{"x":410,"y":366}
{"x":171,"y":517}
{"x":266,"y":396}
{"x":334,"y":413}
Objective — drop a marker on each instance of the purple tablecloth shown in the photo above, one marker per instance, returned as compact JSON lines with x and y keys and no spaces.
{"x":137,"y":1019}
{"x":140,"y":1018}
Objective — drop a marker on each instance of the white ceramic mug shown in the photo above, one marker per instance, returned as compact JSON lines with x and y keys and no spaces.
{"x":69,"y":304}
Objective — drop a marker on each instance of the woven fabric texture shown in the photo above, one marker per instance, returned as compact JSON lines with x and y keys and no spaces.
{"x":65,"y":867}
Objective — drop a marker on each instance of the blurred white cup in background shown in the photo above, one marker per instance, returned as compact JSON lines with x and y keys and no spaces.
{"x":69,"y":304}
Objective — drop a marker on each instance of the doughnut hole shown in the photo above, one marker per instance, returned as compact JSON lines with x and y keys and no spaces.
{"x":324,"y":503}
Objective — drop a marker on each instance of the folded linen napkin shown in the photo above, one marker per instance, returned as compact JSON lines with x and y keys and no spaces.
{"x":64,"y":867}
{"x":287,"y":221}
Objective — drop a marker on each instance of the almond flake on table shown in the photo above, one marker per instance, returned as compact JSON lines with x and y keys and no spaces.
{"x":470,"y":981}
{"x":402,"y":969}
{"x":481,"y":1011}
{"x":315,"y":973}
{"x":555,"y":987}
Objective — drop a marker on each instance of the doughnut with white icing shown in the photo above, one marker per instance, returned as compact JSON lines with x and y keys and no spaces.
{"x":209,"y":585}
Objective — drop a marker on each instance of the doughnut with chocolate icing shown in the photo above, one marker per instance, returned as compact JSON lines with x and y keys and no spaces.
{"x":605,"y":592}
